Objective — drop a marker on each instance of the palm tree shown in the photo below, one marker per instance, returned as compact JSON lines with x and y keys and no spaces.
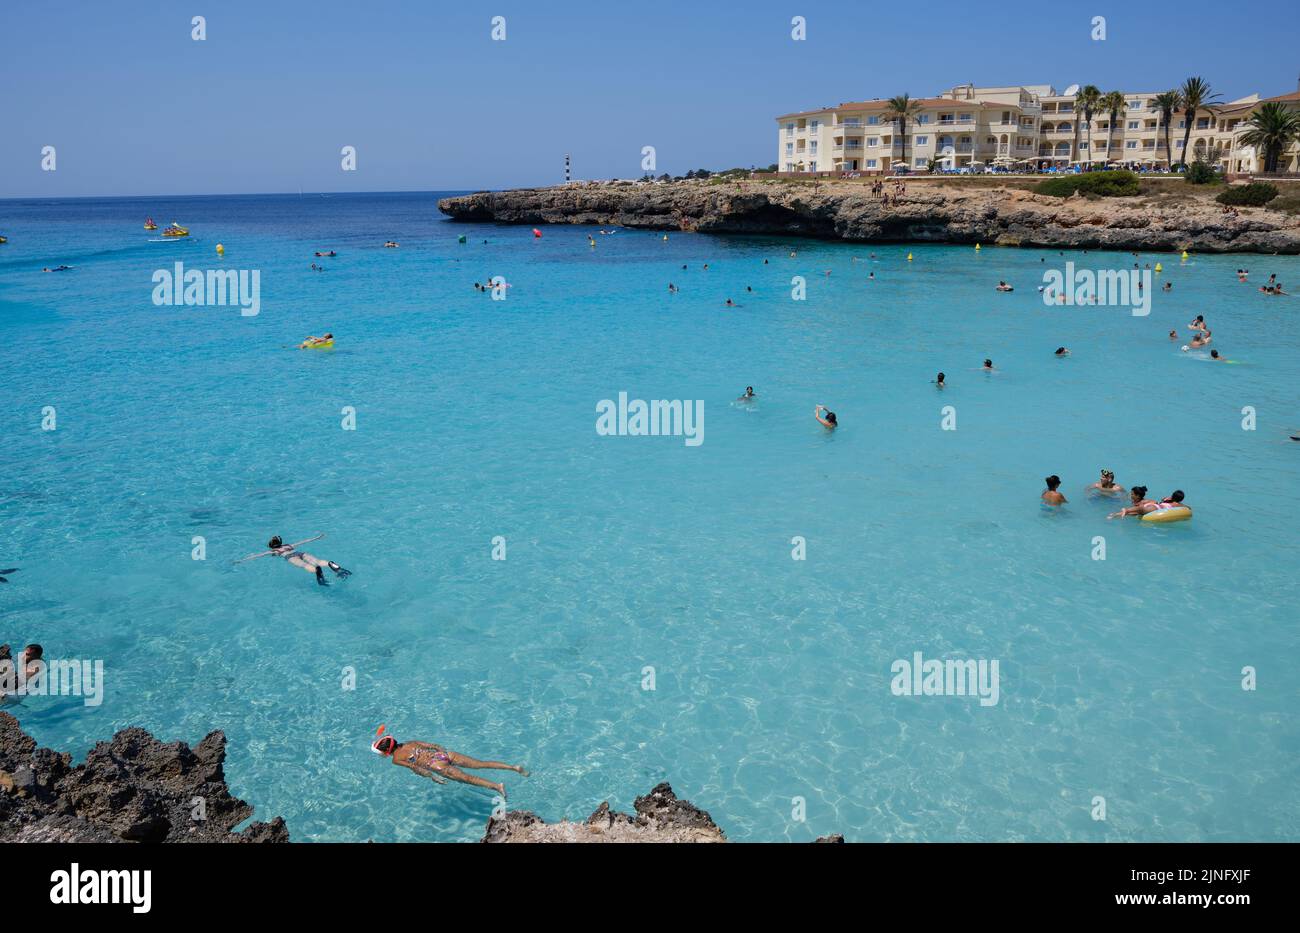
{"x":1167,"y":103}
{"x":901,"y":109}
{"x":1272,"y":129}
{"x":1086,"y":100}
{"x":1114,"y":104}
{"x":1196,"y":93}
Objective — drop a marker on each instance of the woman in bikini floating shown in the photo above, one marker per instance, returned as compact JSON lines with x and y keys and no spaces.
{"x":440,"y":764}
{"x":308,"y":562}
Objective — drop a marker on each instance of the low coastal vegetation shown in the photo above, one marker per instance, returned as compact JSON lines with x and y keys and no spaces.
{"x":1256,"y":194}
{"x":1112,"y":184}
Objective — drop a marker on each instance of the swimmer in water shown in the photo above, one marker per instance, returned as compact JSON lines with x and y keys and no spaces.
{"x":390,"y":245}
{"x":731,"y":304}
{"x":1106,"y":486}
{"x":1200,"y":340}
{"x":1004,"y":287}
{"x":871,"y":277}
{"x":1051,"y":495}
{"x":988,"y":366}
{"x":440,"y":764}
{"x":748,"y":396}
{"x":830,"y":420}
{"x":1197,"y":324}
{"x":1062,"y":351}
{"x":308,"y":562}
{"x":1140,"y":504}
{"x":1214,"y":355}
{"x":1167,"y":287}
{"x":938,"y":380}
{"x":1173,"y":335}
{"x":672,"y":289}
{"x":311,"y":342}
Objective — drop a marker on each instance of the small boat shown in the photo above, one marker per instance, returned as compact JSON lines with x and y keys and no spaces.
{"x":176,"y":230}
{"x":149,"y":224}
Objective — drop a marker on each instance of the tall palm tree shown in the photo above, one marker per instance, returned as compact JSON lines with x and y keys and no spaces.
{"x":1167,"y":103}
{"x":902,"y":109}
{"x":1086,"y":100}
{"x":1272,"y":129}
{"x":1196,"y":94}
{"x":1114,"y":104}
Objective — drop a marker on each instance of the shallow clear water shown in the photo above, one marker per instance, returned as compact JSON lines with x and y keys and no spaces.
{"x":474,"y":418}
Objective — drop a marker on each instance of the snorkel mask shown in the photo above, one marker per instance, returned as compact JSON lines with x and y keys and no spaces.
{"x":381,"y":739}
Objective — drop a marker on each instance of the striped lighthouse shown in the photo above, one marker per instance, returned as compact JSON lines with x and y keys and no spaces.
{"x":566,"y":168}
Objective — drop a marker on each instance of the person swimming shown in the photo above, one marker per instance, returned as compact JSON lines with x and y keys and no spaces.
{"x":988,"y":366}
{"x":830,"y":420}
{"x":1173,"y":501}
{"x":1167,"y":287}
{"x":1106,"y":486}
{"x":1173,"y":335}
{"x":1004,"y":287}
{"x":1197,"y":324}
{"x":1052,"y":495}
{"x":313,"y":342}
{"x":1140,"y":504}
{"x":672,"y":289}
{"x":1200,"y":340}
{"x":731,"y":304}
{"x":308,"y":562}
{"x":1062,"y":351}
{"x":938,"y":380}
{"x":438,"y":763}
{"x":390,"y":245}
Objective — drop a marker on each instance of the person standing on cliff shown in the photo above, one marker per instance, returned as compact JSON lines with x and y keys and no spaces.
{"x":440,"y":764}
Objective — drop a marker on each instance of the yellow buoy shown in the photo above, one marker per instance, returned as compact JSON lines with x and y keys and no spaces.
{"x":221,"y":250}
{"x":665,"y":236}
{"x":909,"y":257}
{"x":977,"y":247}
{"x":1184,"y":255}
{"x":1159,"y":267}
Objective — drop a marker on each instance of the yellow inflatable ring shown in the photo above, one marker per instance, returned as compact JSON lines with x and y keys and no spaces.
{"x":1179,"y":514}
{"x":322,"y":345}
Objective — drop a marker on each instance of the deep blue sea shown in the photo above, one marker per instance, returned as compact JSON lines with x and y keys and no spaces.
{"x":475,"y":419}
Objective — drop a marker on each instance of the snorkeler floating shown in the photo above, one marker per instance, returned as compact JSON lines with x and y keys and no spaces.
{"x":434,"y":761}
{"x":308,"y":562}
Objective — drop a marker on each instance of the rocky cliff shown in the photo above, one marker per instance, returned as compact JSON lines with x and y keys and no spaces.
{"x":132,"y":789}
{"x":1171,"y":219}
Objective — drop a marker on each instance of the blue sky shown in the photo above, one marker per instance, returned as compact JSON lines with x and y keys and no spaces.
{"x":134,"y":106}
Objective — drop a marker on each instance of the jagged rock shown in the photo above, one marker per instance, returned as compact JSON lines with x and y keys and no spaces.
{"x":835,"y":837}
{"x":660,"y":817}
{"x":928,"y":214}
{"x":133,"y":788}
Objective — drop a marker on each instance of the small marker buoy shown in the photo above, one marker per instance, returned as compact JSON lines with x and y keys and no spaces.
{"x":909,"y":257}
{"x":665,"y":236}
{"x":1159,"y":267}
{"x":461,"y":238}
{"x":537,"y":234}
{"x":1184,"y":255}
{"x":977,"y":247}
{"x":221,"y":250}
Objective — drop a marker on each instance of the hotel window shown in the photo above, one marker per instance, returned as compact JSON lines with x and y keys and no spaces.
{"x":789,"y":166}
{"x":1132,"y":124}
{"x":1083,"y":146}
{"x":1202,"y":123}
{"x":923,"y":118}
{"x":873,"y":121}
{"x":873,"y":140}
{"x":1134,"y":105}
{"x":812,"y":166}
{"x":922,"y":140}
{"x":812,"y":147}
{"x":789,"y":129}
{"x":789,"y":148}
{"x":921,"y":163}
{"x":814,"y":124}
{"x":871,"y":163}
{"x":964,"y":118}
{"x":1131,"y":144}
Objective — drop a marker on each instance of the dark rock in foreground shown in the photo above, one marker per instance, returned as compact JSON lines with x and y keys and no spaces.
{"x":930,"y":213}
{"x":660,"y":817}
{"x":132,"y":789}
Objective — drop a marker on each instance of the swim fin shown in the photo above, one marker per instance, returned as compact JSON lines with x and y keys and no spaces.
{"x":320,"y":577}
{"x":3,"y":572}
{"x":339,"y":570}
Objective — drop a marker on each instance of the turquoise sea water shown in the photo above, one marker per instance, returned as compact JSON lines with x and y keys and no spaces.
{"x":476,"y":418}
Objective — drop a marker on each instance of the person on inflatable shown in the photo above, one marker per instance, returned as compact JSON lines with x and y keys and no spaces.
{"x":1141,"y":504}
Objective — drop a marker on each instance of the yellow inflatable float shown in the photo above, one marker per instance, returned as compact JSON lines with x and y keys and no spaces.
{"x":1163,"y":516}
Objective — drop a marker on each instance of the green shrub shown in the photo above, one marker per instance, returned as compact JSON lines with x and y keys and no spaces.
{"x":1110,"y":184}
{"x":1202,"y":173}
{"x":1255,"y":194}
